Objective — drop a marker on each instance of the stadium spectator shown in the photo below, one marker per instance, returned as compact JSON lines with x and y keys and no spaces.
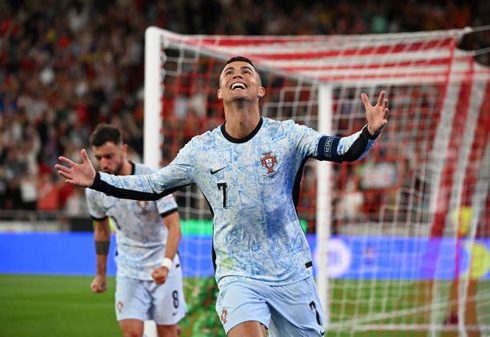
{"x":60,"y":76}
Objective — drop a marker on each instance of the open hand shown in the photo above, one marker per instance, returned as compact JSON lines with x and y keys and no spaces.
{"x":77,"y":174}
{"x":377,"y":115}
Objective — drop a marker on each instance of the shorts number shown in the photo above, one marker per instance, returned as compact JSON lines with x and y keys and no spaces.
{"x":313,"y":307}
{"x":175,"y":296}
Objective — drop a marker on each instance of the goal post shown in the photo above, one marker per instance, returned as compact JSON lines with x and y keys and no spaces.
{"x":324,"y":197}
{"x":154,"y":73}
{"x":400,"y":239}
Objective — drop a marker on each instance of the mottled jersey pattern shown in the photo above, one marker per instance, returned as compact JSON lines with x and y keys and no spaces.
{"x":140,"y":232}
{"x":252,"y":185}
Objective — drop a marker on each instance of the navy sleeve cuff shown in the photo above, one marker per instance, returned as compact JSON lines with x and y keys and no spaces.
{"x":368,"y":134}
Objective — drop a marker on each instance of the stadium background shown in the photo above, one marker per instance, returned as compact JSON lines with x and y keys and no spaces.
{"x":67,"y":65}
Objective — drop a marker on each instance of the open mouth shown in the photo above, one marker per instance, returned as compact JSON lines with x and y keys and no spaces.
{"x":238,"y":85}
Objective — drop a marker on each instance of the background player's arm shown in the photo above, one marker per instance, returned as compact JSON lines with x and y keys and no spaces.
{"x":172,"y":221}
{"x":102,"y":236}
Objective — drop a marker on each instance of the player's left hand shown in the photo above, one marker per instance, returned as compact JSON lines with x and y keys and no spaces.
{"x":159,"y":275}
{"x":377,"y":115}
{"x":99,"y":284}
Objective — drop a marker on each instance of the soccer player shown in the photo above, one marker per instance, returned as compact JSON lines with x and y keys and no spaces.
{"x":249,"y":169}
{"x":144,"y":244}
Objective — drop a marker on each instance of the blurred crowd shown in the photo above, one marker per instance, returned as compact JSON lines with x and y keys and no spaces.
{"x":67,"y":65}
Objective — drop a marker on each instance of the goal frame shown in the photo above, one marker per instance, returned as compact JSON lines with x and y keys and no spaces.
{"x":152,"y":154}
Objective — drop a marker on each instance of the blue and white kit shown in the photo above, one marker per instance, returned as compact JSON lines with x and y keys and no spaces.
{"x":252,"y":186}
{"x":140,"y":232}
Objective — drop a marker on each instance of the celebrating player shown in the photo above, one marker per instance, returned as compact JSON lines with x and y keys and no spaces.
{"x":144,"y":244}
{"x":249,"y":169}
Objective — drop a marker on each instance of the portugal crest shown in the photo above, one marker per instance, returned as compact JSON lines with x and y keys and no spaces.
{"x":269,"y":161}
{"x":223,"y":315}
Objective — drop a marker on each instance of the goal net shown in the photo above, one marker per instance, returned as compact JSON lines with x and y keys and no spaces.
{"x":401,"y":239}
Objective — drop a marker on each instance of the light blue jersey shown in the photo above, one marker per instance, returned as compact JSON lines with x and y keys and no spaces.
{"x":140,"y":232}
{"x":252,"y":185}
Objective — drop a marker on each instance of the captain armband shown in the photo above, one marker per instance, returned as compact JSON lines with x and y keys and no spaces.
{"x":327,"y":149}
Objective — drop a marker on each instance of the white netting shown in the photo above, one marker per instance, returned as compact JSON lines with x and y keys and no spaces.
{"x":390,"y":252}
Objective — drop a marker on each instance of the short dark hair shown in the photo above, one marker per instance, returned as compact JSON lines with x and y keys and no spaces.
{"x":240,"y":59}
{"x":243,"y":59}
{"x":106,"y":133}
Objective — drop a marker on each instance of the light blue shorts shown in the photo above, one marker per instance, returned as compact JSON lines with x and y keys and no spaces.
{"x":288,"y":310}
{"x":145,"y":300}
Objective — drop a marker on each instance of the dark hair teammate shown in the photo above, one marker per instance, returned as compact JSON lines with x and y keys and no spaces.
{"x":148,"y":235}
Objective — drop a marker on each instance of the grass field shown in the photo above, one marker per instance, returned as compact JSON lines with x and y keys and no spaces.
{"x":55,"y":306}
{"x":52,"y":306}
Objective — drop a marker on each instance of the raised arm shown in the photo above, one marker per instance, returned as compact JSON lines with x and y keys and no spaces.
{"x":355,"y":147}
{"x":77,"y":174}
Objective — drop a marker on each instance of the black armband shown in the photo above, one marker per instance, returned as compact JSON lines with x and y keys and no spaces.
{"x":102,"y":247}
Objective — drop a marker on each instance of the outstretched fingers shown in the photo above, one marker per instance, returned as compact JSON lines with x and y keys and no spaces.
{"x":377,"y":115}
{"x":85,"y":156}
{"x":365,"y":100}
{"x":65,"y":161}
{"x":385,"y":108}
{"x":62,"y":168}
{"x":77,"y":174}
{"x":381,"y":99}
{"x":65,"y":173}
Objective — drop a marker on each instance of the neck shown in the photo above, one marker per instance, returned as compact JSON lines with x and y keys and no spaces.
{"x":127,"y":168}
{"x":241,"y":119}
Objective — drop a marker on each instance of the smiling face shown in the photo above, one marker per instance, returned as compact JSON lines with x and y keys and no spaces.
{"x":239,"y":81}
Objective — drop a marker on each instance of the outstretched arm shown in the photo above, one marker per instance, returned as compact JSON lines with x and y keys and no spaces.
{"x":377,"y":116}
{"x":355,"y":146}
{"x":77,"y":174}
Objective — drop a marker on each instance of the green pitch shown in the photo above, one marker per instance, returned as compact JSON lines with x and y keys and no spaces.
{"x":33,"y":305}
{"x":60,"y":306}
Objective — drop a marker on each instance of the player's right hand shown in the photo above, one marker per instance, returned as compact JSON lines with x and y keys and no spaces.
{"x":77,"y":174}
{"x":159,"y":275}
{"x":99,"y":284}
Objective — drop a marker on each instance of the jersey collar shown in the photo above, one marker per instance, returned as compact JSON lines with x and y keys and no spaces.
{"x":133,"y":167}
{"x":244,"y":139}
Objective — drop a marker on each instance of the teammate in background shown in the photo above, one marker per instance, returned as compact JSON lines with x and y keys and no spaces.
{"x":249,"y":169}
{"x":144,"y":244}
